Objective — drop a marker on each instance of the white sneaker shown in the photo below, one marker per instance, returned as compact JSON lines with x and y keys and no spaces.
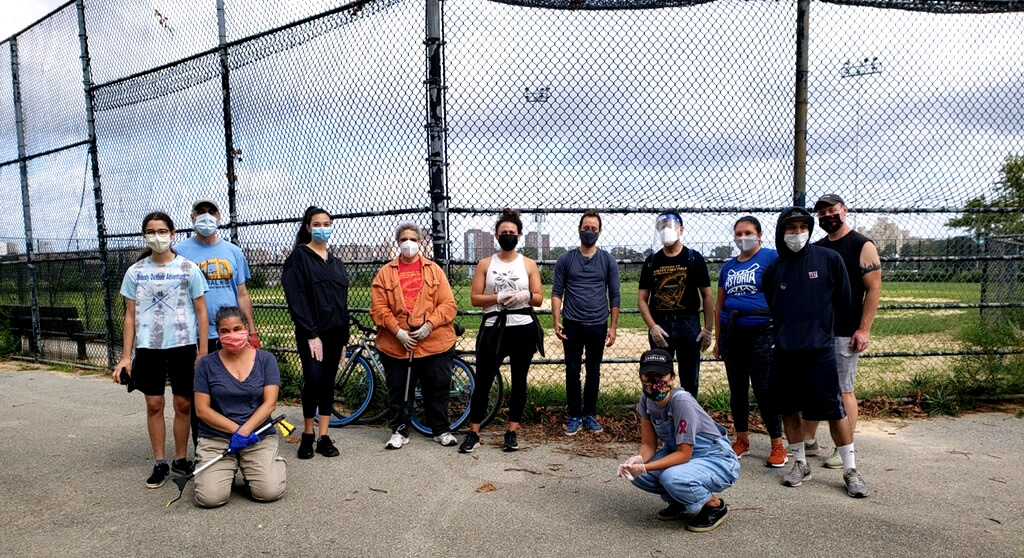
{"x":396,"y":441}
{"x":446,"y":439}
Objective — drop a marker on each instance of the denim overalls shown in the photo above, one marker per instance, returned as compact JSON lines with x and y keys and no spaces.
{"x":713,"y":467}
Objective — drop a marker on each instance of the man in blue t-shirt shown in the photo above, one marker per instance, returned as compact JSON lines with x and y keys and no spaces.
{"x":224,"y":266}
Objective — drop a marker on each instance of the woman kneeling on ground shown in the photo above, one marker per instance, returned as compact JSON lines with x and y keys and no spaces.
{"x":695,"y":461}
{"x":236,"y":391}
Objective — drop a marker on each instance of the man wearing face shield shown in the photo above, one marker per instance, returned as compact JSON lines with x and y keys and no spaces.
{"x":226,"y":271}
{"x":805,"y":289}
{"x":852,"y":328}
{"x":674,"y":285}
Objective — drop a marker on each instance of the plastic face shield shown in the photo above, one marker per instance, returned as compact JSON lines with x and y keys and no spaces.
{"x":667,"y":220}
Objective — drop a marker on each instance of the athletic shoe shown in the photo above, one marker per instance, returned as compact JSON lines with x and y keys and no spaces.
{"x":510,"y":444}
{"x":741,"y":448}
{"x":325,"y":447}
{"x":855,"y":485}
{"x":398,"y":439}
{"x":796,"y":477}
{"x":834,"y":461}
{"x":306,"y":446}
{"x":471,"y":442}
{"x":182,"y":466}
{"x":446,"y":440}
{"x":777,"y":458}
{"x":811,"y":448}
{"x":575,"y":423}
{"x":674,"y":511}
{"x":159,"y":476}
{"x":709,"y":518}
{"x":591,"y":424}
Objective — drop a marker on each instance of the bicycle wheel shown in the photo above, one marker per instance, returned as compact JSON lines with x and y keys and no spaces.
{"x":377,"y":410}
{"x":352,"y":390}
{"x":459,"y":396}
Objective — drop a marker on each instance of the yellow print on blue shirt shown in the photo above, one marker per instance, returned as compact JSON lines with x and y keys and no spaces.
{"x":217,"y":269}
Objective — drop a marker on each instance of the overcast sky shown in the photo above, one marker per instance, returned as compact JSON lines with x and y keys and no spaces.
{"x":688,"y":107}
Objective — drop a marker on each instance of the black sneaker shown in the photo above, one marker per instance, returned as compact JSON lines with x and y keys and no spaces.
{"x":471,"y":442}
{"x":159,"y":476}
{"x":325,"y":447}
{"x":709,"y":518}
{"x":674,"y":511}
{"x":306,"y":446}
{"x":182,"y":466}
{"x":510,"y":442}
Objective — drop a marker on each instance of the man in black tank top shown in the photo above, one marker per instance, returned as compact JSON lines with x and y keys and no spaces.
{"x":852,"y":329}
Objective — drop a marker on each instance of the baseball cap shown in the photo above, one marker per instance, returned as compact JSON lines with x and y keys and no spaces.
{"x":656,"y":361}
{"x":208,"y":202}
{"x":796,"y":214}
{"x":827,"y":200}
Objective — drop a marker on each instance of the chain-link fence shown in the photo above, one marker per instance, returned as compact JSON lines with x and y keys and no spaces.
{"x":394,"y":110}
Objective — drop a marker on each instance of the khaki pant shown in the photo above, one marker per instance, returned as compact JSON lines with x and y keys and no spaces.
{"x":261,"y":467}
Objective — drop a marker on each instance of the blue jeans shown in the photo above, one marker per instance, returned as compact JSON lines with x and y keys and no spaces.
{"x":684,"y":347}
{"x":580,"y":337}
{"x":712,"y":468}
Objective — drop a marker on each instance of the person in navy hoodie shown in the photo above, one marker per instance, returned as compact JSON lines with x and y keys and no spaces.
{"x":804,"y":288}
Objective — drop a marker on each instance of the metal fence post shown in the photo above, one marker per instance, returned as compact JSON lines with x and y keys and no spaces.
{"x":229,"y":142}
{"x":803,"y":9}
{"x":19,"y":124}
{"x":97,"y":190}
{"x":436,"y":133}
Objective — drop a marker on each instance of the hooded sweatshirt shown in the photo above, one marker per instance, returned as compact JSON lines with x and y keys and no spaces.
{"x":804,"y":290}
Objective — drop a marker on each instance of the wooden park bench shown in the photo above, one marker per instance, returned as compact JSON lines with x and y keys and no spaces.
{"x":54,"y":322}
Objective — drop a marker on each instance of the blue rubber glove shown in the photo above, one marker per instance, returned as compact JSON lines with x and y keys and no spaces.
{"x":240,"y":442}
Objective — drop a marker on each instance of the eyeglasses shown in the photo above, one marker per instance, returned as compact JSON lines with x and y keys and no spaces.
{"x":157,"y":232}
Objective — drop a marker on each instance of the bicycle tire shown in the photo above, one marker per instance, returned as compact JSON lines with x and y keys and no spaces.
{"x":378,"y":408}
{"x":460,"y":394}
{"x":353,"y":390}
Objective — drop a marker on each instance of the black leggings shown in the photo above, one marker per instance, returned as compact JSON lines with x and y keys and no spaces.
{"x":747,"y":352}
{"x":519,"y":344}
{"x":318,"y":376}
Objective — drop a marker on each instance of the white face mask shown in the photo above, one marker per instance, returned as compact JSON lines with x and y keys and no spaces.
{"x":796,"y":242}
{"x":668,"y":236}
{"x":409,"y":248}
{"x":746,"y":243}
{"x":159,"y":243}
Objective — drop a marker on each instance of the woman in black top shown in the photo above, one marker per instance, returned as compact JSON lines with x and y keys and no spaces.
{"x":316,"y":289}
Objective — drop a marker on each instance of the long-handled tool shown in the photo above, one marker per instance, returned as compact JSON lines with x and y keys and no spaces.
{"x":285,"y":427}
{"x":408,"y":367}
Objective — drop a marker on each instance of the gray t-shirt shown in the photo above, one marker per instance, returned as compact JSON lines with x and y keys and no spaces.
{"x":231,"y":398}
{"x":680,"y":420}
{"x":588,"y":287}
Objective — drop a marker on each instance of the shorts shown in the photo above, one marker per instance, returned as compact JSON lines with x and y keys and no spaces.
{"x":152,"y":367}
{"x":846,"y":362}
{"x":806,"y":386}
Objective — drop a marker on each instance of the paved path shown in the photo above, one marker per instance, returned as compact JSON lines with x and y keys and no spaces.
{"x":74,"y":455}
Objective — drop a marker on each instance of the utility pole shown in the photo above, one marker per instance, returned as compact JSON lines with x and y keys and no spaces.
{"x":537,"y":97}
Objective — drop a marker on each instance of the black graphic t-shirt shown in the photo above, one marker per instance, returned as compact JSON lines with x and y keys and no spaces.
{"x":675,"y":282}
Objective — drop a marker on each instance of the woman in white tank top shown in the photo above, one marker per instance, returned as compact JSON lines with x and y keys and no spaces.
{"x":507,"y":286}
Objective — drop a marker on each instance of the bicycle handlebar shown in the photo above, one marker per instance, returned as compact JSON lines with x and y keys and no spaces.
{"x":459,"y":329}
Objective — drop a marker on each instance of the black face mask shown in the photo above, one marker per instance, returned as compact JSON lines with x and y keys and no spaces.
{"x":588,"y":238}
{"x":830,"y":223}
{"x":508,"y":242}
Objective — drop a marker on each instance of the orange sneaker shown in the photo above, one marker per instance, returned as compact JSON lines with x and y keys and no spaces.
{"x":741,"y":447}
{"x":778,"y":457}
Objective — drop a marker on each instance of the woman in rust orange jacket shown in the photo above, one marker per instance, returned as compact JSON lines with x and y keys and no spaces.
{"x":413,"y":307}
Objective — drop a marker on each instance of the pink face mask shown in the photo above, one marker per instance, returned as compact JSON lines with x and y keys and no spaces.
{"x":235,"y":341}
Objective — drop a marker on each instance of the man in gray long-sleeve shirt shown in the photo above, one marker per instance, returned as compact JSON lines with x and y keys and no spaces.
{"x":582,"y":279}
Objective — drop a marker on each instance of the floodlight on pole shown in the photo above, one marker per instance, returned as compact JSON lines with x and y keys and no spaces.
{"x":537,"y":96}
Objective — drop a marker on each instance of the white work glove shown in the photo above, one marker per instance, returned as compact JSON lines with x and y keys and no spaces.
{"x":632,"y":468}
{"x":504,"y":298}
{"x":424,"y":331}
{"x":705,"y":339}
{"x":316,"y":349}
{"x":659,"y":335}
{"x":520,"y":297}
{"x":405,"y":338}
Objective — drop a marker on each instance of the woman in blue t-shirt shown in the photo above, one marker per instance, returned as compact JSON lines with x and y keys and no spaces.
{"x":745,"y":336}
{"x":236,"y":391}
{"x":694,"y":461}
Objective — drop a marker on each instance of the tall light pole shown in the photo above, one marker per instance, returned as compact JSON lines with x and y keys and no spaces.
{"x":854,"y":70}
{"x":536,"y":97}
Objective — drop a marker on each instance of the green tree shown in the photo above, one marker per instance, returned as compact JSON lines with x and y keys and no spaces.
{"x":1009,"y":193}
{"x":723,"y":252}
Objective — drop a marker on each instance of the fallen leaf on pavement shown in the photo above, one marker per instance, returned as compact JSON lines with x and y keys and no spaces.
{"x":486,"y":487}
